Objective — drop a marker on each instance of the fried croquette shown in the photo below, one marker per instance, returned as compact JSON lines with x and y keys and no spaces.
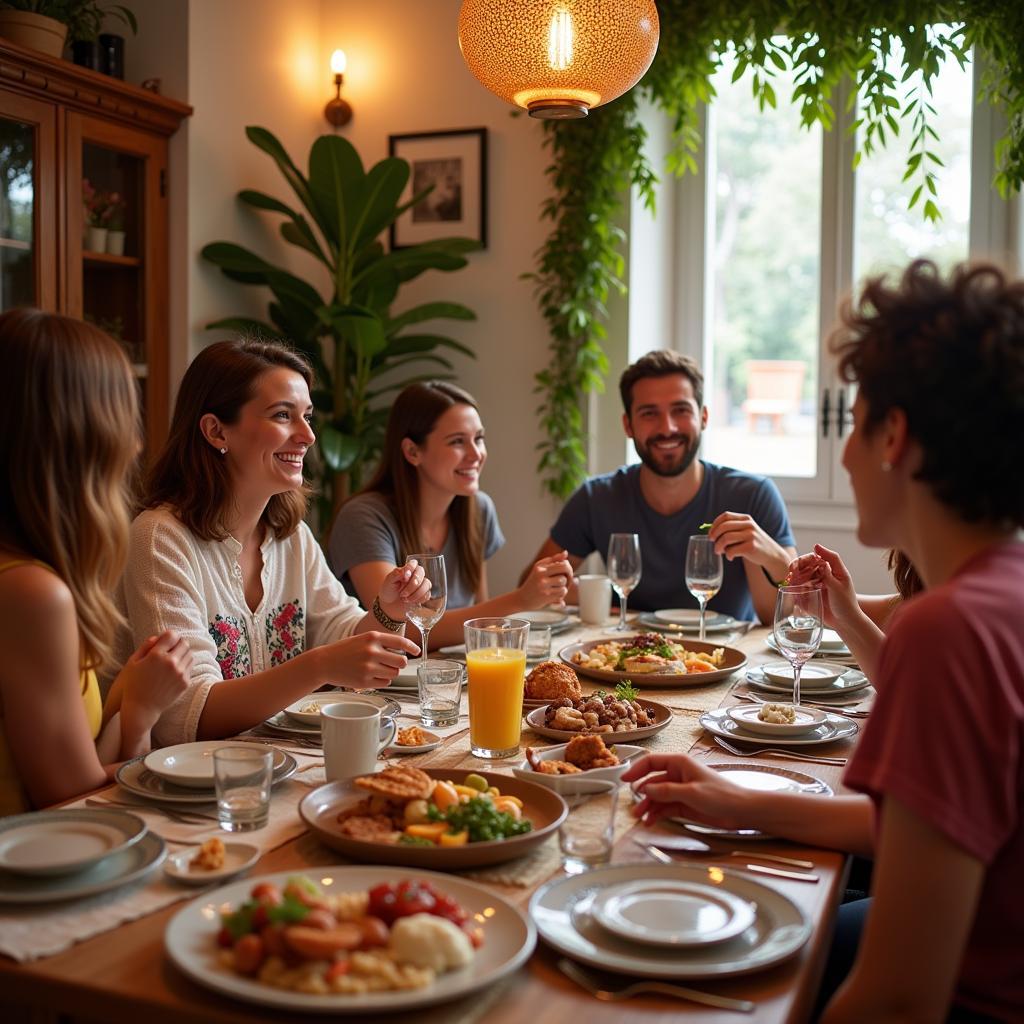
{"x":551,"y":680}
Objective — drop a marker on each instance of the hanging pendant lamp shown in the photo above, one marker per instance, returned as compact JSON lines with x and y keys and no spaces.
{"x":558,"y":58}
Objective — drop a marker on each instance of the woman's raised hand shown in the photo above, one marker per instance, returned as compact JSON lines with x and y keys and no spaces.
{"x":677,"y":786}
{"x":824,"y":568}
{"x":547,"y":583}
{"x":403,"y":588}
{"x":367,"y":661}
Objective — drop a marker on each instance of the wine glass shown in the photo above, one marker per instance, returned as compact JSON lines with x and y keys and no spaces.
{"x":797,"y":628}
{"x":623,"y":569}
{"x":425,"y":614}
{"x":703,"y":572}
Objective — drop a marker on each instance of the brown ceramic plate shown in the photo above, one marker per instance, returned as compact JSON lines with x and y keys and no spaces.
{"x":662,"y":716}
{"x":547,"y":810}
{"x":735,"y":659}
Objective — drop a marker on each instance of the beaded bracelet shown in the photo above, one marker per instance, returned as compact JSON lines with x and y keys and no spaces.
{"x":390,"y":624}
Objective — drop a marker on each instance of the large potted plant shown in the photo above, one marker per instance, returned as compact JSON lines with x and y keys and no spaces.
{"x":360,"y":351}
{"x":44,"y":25}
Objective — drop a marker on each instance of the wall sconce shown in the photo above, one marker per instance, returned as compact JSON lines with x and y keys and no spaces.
{"x":558,"y":59}
{"x":337,"y":111}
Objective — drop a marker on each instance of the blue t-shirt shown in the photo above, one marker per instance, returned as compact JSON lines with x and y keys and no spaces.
{"x":366,"y":530}
{"x":613,"y":503}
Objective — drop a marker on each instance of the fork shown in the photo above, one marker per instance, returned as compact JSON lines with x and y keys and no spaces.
{"x":761,"y":751}
{"x":586,"y":981}
{"x":181,"y":817}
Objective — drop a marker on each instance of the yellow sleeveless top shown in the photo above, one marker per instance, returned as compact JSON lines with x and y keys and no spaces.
{"x":13,"y":799}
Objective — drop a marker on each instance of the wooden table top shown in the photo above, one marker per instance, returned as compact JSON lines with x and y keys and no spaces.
{"x":124,"y":975}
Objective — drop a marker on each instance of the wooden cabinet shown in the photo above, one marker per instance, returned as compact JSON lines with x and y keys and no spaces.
{"x":84,"y":207}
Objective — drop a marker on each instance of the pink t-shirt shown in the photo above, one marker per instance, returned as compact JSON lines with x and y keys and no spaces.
{"x":946,"y":739}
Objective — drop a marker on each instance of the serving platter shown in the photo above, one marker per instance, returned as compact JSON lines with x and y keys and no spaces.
{"x":735,"y":659}
{"x":544,"y":808}
{"x":508,"y":940}
{"x":662,"y":716}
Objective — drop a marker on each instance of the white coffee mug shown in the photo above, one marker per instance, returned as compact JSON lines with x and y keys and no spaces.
{"x":353,"y":735}
{"x":595,"y":596}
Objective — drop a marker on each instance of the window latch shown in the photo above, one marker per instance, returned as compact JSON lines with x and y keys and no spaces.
{"x":826,"y":409}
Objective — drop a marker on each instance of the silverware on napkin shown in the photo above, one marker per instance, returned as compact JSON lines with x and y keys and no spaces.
{"x":587,"y":981}
{"x":775,"y":752}
{"x":757,"y":869}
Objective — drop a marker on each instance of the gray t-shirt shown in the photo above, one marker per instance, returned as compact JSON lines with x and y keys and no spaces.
{"x":366,"y":530}
{"x":614,"y":503}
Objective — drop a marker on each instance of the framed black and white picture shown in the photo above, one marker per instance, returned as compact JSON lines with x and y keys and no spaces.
{"x":453,"y":165}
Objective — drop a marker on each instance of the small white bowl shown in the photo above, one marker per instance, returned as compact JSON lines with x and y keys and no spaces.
{"x":238,"y":857}
{"x":564,"y":783}
{"x":747,"y":717}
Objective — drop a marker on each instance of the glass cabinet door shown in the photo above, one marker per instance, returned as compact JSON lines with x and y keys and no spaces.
{"x":27,"y":239}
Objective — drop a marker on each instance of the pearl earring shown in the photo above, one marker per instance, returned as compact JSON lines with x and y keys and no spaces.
{"x":223,"y":451}
{"x":886,"y":465}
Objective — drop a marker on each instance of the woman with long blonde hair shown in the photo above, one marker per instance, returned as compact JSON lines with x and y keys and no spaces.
{"x":68,"y":438}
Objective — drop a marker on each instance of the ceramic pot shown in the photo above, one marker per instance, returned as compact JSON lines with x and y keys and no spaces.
{"x":34,"y":31}
{"x":115,"y":242}
{"x":96,"y":239}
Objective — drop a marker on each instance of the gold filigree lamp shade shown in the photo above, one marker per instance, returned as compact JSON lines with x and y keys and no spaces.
{"x":558,"y":58}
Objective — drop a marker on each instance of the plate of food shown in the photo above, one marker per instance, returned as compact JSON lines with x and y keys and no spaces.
{"x":413,"y":740}
{"x":548,"y":681}
{"x":447,"y":818}
{"x":397,"y":940}
{"x":583,"y":757}
{"x":653,"y":659}
{"x":777,"y":719}
{"x":834,"y":727}
{"x":620,"y":716}
{"x":306,"y":710}
{"x":214,"y":861}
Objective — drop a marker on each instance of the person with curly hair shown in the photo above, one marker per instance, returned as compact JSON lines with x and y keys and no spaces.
{"x":935,"y":464}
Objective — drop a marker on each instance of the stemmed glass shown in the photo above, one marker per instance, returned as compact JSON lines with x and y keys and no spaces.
{"x":797,"y":628}
{"x":623,"y":569}
{"x":425,"y":615}
{"x":703,"y":572}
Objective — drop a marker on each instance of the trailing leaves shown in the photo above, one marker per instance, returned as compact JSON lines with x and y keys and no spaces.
{"x":594,"y":162}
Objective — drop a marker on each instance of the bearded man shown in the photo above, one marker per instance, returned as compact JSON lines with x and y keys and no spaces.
{"x":672,"y":493}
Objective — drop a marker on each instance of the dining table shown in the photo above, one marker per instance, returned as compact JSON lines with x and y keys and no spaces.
{"x":105,"y":964}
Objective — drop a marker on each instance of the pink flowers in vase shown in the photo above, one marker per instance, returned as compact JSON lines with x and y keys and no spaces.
{"x":104,"y":219}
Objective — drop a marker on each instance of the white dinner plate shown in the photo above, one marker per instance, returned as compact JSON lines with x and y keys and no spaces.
{"x":237,"y":857}
{"x":433,"y":741}
{"x":691,"y":617}
{"x":748,"y":717}
{"x":822,"y":654}
{"x":722,"y":624}
{"x":832,"y":643}
{"x":661,"y":912}
{"x":835,"y":727}
{"x":508,"y":940}
{"x":562,"y":911}
{"x":63,"y":842}
{"x":137,"y":779}
{"x":288,"y":726}
{"x":849,"y":683}
{"x":295,"y":713}
{"x":814,"y":675}
{"x":557,"y":621}
{"x":122,"y":868}
{"x":765,"y":779}
{"x":191,"y":764}
{"x":564,"y":784}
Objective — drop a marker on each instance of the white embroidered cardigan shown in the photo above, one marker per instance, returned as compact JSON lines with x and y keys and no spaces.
{"x":176,"y":581}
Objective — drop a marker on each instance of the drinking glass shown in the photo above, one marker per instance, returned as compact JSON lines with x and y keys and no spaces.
{"x":797,"y":628}
{"x":703,"y":572}
{"x":538,"y":643}
{"x":587,"y":835}
{"x":425,"y":615}
{"x":623,"y":569}
{"x":242,"y":778}
{"x":440,"y":689}
{"x":496,"y":662}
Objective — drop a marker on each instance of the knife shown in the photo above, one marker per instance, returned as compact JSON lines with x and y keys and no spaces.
{"x":757,"y":869}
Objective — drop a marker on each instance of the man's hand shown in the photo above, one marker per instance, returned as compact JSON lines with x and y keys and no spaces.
{"x":736,"y":535}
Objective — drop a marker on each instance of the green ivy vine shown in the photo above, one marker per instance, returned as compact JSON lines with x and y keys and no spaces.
{"x":823,"y":42}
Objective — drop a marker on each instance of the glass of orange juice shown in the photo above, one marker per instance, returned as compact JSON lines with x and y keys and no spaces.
{"x":496,"y":664}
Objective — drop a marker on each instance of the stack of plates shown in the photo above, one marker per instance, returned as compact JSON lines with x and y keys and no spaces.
{"x":813,"y":727}
{"x":184,"y":774}
{"x":832,"y":647}
{"x":50,"y":856}
{"x":678,"y":922}
{"x":679,"y":620}
{"x":819,"y":680}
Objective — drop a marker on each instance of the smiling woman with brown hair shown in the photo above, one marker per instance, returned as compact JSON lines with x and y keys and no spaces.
{"x":68,"y":438}
{"x":222,"y":555}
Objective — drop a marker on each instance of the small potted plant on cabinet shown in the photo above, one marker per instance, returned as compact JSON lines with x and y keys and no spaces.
{"x":115,"y":224}
{"x":97,"y":210}
{"x":45,"y":25}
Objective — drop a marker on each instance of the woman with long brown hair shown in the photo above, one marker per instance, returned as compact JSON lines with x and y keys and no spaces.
{"x":425,"y":498}
{"x":221,"y":554}
{"x":68,"y":437}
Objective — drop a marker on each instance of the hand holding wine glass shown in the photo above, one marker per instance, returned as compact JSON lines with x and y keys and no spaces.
{"x":428,"y":610}
{"x":797,"y":628}
{"x":623,"y":569}
{"x":703,"y":572}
